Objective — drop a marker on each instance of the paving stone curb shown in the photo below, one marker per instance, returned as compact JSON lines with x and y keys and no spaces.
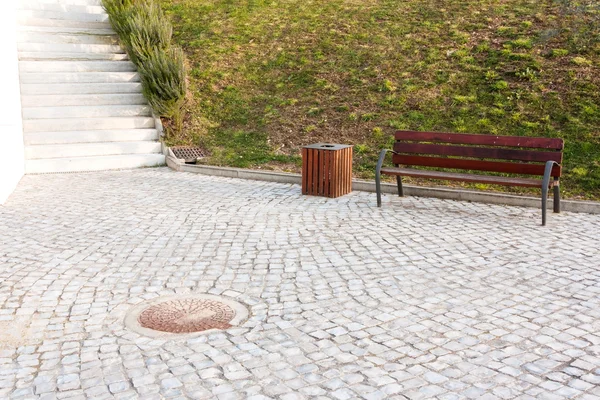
{"x":589,"y":207}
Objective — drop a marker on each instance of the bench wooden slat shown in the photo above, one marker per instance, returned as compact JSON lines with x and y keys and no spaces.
{"x":451,"y":176}
{"x":478,"y":152}
{"x":489,"y":140}
{"x":476,"y":165}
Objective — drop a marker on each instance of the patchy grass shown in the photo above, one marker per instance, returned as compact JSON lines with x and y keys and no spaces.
{"x":267,"y":77}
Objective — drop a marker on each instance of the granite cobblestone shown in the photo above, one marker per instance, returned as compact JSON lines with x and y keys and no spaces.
{"x":422,"y":298}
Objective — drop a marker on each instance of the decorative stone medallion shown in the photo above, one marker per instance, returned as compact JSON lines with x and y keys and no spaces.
{"x":185,"y":314}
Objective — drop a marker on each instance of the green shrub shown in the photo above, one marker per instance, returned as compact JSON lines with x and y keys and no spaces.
{"x":148,"y":29}
{"x":119,"y":12}
{"x":146,"y":33}
{"x":163,"y":81}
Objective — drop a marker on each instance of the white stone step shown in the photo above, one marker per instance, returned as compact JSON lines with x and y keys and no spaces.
{"x":79,"y":77}
{"x":65,"y":30}
{"x":60,"y":15}
{"x":82,"y":104}
{"x":41,"y":37}
{"x":64,"y":8}
{"x":70,"y":48}
{"x":76,"y":66}
{"x":61,"y":23}
{"x":64,"y":56}
{"x":80,"y":88}
{"x":97,"y":163}
{"x":90,"y":149}
{"x":69,"y":137}
{"x":83,"y":100}
{"x":66,"y":2}
{"x":31,"y":113}
{"x":86,"y":124}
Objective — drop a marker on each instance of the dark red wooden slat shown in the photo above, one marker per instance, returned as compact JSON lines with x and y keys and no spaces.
{"x":489,"y":140}
{"x":315,"y":181}
{"x":321,"y":176}
{"x":304,"y":171}
{"x":451,"y":176}
{"x":334,"y":175}
{"x":342,"y":172}
{"x":478,"y":152}
{"x":349,"y":163}
{"x":327,"y":173}
{"x":344,"y":155}
{"x":338,"y":178}
{"x":309,"y":175}
{"x":478,"y":165}
{"x":338,"y":174}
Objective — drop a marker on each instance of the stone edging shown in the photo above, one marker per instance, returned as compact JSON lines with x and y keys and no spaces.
{"x":590,"y":207}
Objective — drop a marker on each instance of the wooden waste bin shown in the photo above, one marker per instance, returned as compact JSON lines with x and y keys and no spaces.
{"x":327,"y":169}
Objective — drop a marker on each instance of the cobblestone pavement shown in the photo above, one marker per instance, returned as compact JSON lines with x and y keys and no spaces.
{"x":422,"y":298}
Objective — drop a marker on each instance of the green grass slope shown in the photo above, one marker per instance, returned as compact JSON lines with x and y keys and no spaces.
{"x":267,"y":77}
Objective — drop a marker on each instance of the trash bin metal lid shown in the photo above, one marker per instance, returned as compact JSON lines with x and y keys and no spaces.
{"x":327,"y":146}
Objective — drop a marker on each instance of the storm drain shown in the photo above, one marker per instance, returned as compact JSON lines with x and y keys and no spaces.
{"x":188,"y":153}
{"x":185,"y":314}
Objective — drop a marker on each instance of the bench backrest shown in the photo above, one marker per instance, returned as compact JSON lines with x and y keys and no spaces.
{"x":508,"y":154}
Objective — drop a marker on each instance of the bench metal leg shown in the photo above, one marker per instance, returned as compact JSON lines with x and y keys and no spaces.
{"x":378,"y":187}
{"x":545,"y":186}
{"x":399,"y":182}
{"x":378,"y":176}
{"x":556,"y":196}
{"x":544,"y":202}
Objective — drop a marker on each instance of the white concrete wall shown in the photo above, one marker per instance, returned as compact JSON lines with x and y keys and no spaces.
{"x":12,"y":159}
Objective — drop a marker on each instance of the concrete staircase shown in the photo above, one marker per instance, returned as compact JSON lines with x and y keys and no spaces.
{"x":83,"y":108}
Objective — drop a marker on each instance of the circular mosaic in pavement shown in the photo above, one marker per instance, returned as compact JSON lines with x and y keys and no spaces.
{"x":185,"y":314}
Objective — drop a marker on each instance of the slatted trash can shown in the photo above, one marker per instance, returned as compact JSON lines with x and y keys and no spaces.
{"x":327,"y":169}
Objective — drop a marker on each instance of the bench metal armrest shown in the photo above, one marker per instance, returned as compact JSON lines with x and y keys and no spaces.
{"x":548,"y":172}
{"x":378,"y":174}
{"x":381,"y":159}
{"x":545,"y":185}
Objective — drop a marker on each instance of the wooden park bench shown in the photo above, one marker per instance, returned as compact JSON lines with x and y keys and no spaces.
{"x":477,"y":153}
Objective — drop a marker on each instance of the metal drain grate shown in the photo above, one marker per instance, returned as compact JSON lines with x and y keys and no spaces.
{"x":188,"y":153}
{"x":186,"y":316}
